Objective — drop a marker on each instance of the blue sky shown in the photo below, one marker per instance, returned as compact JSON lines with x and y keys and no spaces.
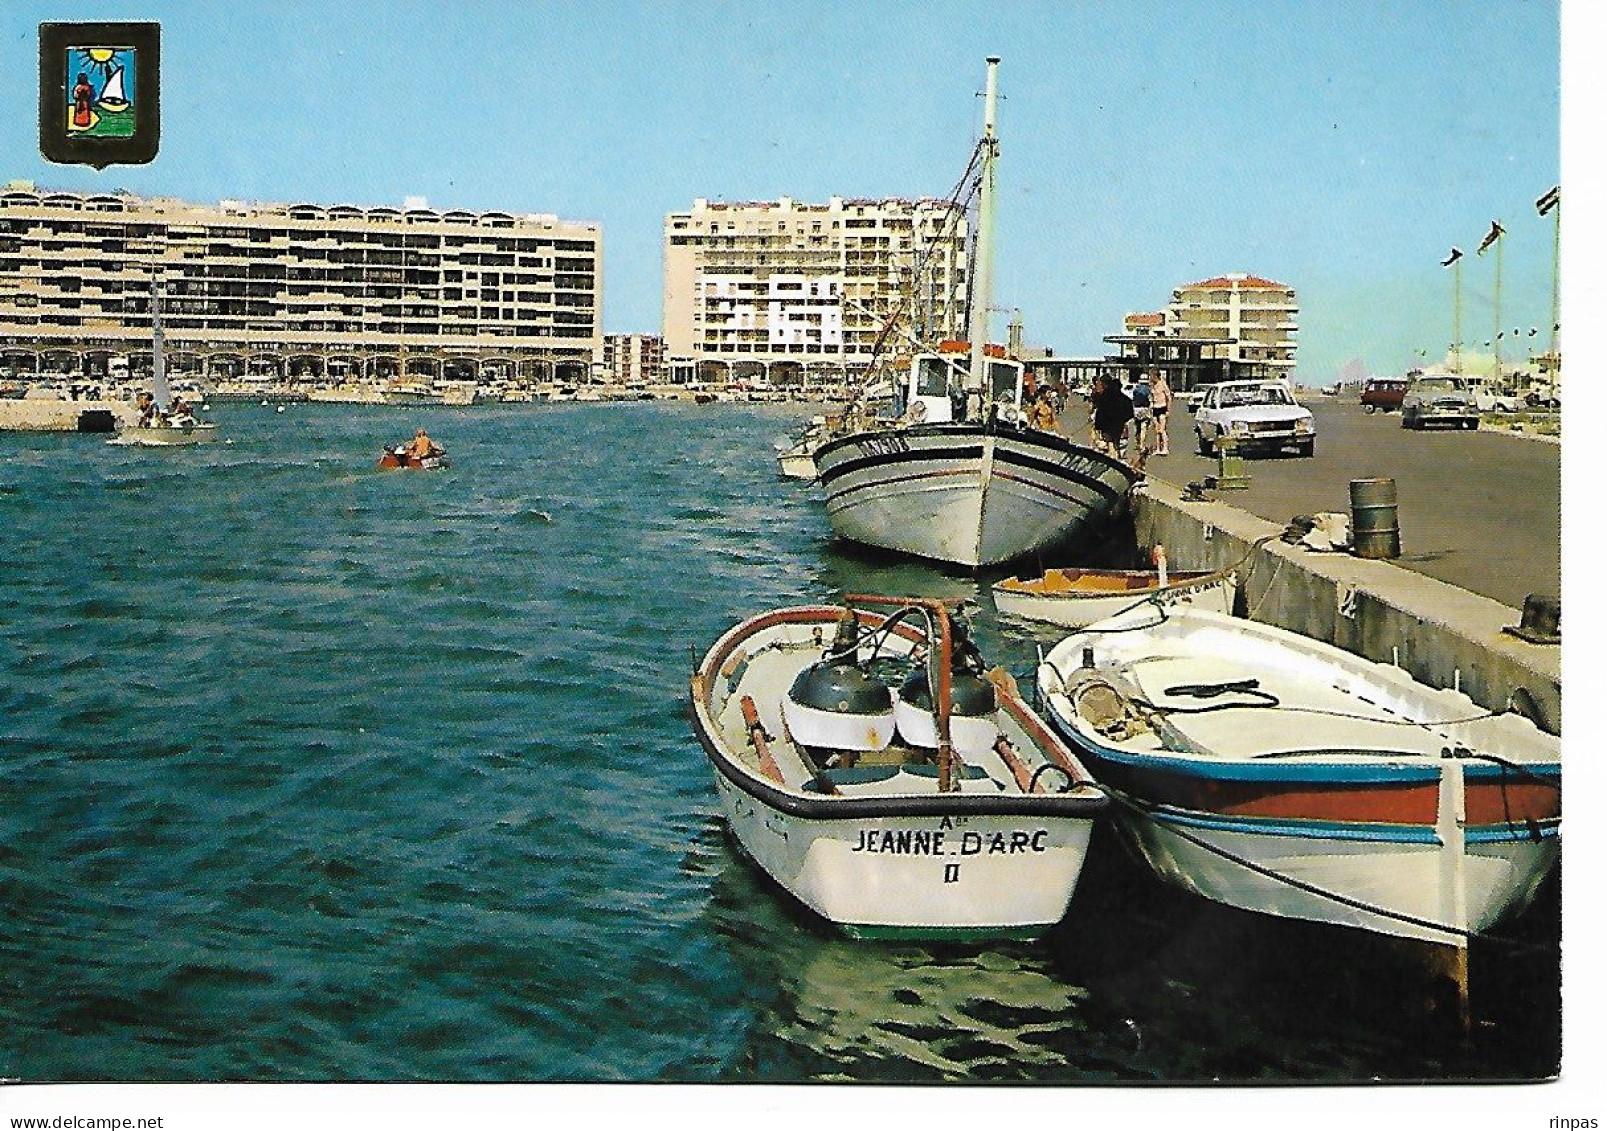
{"x":1342,"y":148}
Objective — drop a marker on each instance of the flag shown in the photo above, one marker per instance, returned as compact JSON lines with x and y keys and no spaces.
{"x":1456,"y":253}
{"x":1549,"y":201}
{"x":1496,"y":232}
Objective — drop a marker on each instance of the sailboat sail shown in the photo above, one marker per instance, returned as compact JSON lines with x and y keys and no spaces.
{"x":112,"y":93}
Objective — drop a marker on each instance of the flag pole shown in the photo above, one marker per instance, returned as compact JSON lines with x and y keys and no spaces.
{"x":1499,"y":373}
{"x":1556,"y":281}
{"x":1456,"y":316}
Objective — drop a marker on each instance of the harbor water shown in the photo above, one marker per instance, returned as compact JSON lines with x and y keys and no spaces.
{"x":317,"y":772}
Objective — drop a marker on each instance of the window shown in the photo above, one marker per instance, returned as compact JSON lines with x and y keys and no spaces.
{"x":1002,"y":379}
{"x":933,"y":378}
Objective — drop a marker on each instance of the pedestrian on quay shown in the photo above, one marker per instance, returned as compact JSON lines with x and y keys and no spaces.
{"x":1041,"y":414}
{"x":1160,"y":398}
{"x":1142,"y":420}
{"x":1111,"y":413}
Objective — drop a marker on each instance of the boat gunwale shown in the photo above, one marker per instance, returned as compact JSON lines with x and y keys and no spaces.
{"x":1063,"y":444}
{"x":1371,"y":767}
{"x":1181,"y":580}
{"x":1084,"y":800}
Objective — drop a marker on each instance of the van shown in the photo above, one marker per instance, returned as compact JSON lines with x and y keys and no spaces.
{"x":1383,"y":394}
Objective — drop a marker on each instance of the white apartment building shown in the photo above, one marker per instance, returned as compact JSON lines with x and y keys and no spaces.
{"x":1257,"y":316}
{"x":296,"y":292}
{"x":633,"y":359}
{"x":786,"y":292}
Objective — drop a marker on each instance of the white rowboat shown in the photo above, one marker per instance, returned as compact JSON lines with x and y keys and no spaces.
{"x":878,"y":834}
{"x":1076,"y":598}
{"x":1279,"y":774}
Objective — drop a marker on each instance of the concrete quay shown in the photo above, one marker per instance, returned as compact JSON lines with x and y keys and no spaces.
{"x":1443,"y":635}
{"x":47,"y":414}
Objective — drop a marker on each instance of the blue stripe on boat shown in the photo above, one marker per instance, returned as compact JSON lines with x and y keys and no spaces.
{"x":1344,"y":830}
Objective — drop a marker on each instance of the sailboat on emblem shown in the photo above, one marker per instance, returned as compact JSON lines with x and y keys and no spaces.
{"x":962,"y":477}
{"x":112,"y":95}
{"x":167,"y":421}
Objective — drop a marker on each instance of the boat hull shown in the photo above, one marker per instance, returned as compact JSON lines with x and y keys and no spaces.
{"x":1397,"y":870}
{"x":1078,"y":610}
{"x":965,"y":494}
{"x":1328,"y":792}
{"x":796,"y":466}
{"x":957,"y":876}
{"x":166,"y":437}
{"x":390,"y":461}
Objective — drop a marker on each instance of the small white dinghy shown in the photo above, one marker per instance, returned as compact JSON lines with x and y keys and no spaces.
{"x":1279,"y":774}
{"x":796,"y":458}
{"x":892,"y":813}
{"x":1076,"y":598}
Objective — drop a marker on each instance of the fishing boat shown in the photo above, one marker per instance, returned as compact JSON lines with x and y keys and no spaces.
{"x":867,"y":763}
{"x":961,"y":476}
{"x":169,"y":424}
{"x":1076,"y":598}
{"x":1279,"y":774}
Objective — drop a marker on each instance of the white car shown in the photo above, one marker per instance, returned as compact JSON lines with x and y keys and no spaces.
{"x":1254,"y":414}
{"x":1438,"y":400}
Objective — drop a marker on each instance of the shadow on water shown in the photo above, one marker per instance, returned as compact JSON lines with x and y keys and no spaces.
{"x":1141,"y":983}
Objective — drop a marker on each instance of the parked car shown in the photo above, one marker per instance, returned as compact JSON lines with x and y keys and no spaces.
{"x":1256,"y":415}
{"x":1383,"y":394}
{"x":1438,"y":400}
{"x":1495,"y":402}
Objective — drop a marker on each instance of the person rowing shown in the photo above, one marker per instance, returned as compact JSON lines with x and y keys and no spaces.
{"x":422,"y":446}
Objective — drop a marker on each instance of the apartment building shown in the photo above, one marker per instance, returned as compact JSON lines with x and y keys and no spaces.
{"x":793,"y":293}
{"x":1258,"y":316}
{"x":296,"y":292}
{"x":633,"y":359}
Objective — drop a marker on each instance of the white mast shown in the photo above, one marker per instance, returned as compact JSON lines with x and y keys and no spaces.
{"x":159,"y":390}
{"x":982,"y":282}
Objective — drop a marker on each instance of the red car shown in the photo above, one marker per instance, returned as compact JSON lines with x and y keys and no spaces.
{"x":1383,"y":394}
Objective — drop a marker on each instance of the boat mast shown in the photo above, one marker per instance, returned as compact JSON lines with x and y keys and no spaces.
{"x":159,"y":391}
{"x":982,"y":280}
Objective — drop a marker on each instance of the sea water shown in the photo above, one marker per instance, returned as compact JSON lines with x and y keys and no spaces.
{"x":310,"y":771}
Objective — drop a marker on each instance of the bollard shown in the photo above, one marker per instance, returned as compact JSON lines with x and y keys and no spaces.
{"x":1542,"y":619}
{"x":1374,"y":528}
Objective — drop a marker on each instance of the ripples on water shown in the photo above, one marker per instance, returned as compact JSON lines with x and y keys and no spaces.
{"x":314,"y":772}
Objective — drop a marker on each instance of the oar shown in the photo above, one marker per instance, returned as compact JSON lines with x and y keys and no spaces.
{"x":761,"y":742}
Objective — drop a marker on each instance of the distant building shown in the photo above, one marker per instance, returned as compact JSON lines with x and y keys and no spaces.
{"x":1145,"y":324}
{"x":296,"y":291}
{"x":793,"y":293}
{"x":633,"y":358}
{"x":1257,"y":316}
